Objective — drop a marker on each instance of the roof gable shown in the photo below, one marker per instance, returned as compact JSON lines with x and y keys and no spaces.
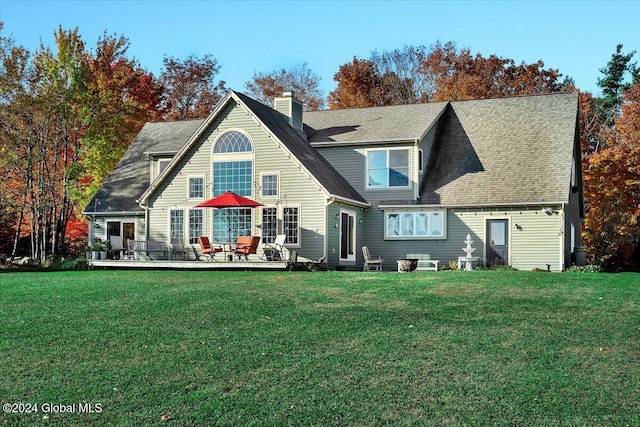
{"x":318,"y":168}
{"x":130,"y":178}
{"x":503,"y":151}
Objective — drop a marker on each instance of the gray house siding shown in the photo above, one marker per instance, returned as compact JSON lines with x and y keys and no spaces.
{"x":534,"y":237}
{"x":334,"y":235}
{"x":296,"y":188}
{"x":350,"y":161}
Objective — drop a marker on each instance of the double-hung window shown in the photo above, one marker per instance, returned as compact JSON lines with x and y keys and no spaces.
{"x":421,"y":225}
{"x":196,"y":225}
{"x":176,"y":223}
{"x":387,"y":168}
{"x":196,"y":187}
{"x":269,"y":185}
{"x":291,"y":225}
{"x":269,"y":224}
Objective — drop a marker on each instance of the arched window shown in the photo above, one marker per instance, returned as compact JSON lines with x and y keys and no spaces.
{"x":233,"y":164}
{"x":233,"y":142}
{"x":232,"y":161}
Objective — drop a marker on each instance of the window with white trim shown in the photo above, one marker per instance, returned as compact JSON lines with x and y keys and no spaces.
{"x":232,"y":160}
{"x":196,"y":187}
{"x":176,"y":223}
{"x":269,"y":185}
{"x":196,"y":225}
{"x":291,"y":225}
{"x":387,"y":168}
{"x":424,"y":225}
{"x":162,"y":165}
{"x":269,"y":224}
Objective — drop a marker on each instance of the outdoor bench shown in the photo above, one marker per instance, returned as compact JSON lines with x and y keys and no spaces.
{"x":147,"y":246}
{"x":425,"y":263}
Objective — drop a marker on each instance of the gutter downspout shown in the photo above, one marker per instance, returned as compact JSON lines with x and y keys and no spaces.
{"x":416,"y":169}
{"x":563,"y":232}
{"x":146,"y":219}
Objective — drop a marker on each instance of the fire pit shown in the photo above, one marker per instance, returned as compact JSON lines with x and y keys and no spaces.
{"x":407,"y":265}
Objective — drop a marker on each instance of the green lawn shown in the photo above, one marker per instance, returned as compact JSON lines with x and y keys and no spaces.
{"x":319,"y":349}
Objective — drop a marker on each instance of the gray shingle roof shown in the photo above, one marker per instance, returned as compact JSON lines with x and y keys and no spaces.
{"x":503,"y":151}
{"x":392,"y":123}
{"x":130,"y":178}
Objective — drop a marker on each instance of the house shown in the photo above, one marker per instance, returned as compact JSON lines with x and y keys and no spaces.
{"x":408,"y":179}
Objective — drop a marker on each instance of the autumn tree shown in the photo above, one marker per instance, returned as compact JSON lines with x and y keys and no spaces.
{"x":68,"y":115}
{"x":190,"y":87}
{"x":264,"y":87}
{"x":359,"y":85}
{"x":403,"y":81}
{"x":120,"y":98}
{"x":18,"y":121}
{"x":610,"y":134}
{"x":442,"y":73}
{"x":458,"y":75}
{"x":612,"y":189}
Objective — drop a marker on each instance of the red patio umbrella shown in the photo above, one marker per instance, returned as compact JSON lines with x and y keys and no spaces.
{"x":229,"y":199}
{"x":226,"y":200}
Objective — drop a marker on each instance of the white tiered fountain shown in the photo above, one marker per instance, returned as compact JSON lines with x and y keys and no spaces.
{"x":467,"y":260}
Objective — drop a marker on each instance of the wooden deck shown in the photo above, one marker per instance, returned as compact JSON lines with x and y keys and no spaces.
{"x":189,"y":265}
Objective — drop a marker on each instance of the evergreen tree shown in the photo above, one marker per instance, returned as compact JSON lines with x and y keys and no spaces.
{"x":613,"y":83}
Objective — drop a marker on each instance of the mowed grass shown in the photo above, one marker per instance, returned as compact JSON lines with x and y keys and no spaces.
{"x":321,"y":349}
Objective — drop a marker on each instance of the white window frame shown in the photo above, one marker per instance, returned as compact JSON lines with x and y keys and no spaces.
{"x":162,"y":165}
{"x":415,"y":215}
{"x":263,"y":237}
{"x":184,"y":225}
{"x":262,"y":187}
{"x":298,"y":228}
{"x":187,"y":221}
{"x":387,"y":187}
{"x":233,"y":157}
{"x":350,"y":256}
{"x":201,"y":177}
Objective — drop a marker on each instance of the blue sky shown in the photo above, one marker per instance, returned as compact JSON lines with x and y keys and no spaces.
{"x":576,"y":37}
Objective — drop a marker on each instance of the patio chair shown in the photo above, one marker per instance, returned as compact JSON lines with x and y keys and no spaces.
{"x":116,"y":245}
{"x":177,"y":248}
{"x":245,"y":246}
{"x":208,"y":251}
{"x":275,"y":251}
{"x":371,"y":264}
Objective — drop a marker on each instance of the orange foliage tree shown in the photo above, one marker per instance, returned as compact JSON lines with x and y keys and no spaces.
{"x":611,"y":230}
{"x":359,"y":85}
{"x":459,"y":75}
{"x":442,"y":73}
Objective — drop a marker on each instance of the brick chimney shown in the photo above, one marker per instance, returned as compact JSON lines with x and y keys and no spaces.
{"x":290,"y":107}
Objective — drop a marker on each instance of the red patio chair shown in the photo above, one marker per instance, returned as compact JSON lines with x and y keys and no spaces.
{"x":245,"y":246}
{"x":207,"y":249}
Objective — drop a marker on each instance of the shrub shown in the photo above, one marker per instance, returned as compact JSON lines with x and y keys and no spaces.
{"x":70,"y":264}
{"x":589,"y":268}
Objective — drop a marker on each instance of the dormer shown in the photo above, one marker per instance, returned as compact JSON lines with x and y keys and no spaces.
{"x":158,"y":162}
